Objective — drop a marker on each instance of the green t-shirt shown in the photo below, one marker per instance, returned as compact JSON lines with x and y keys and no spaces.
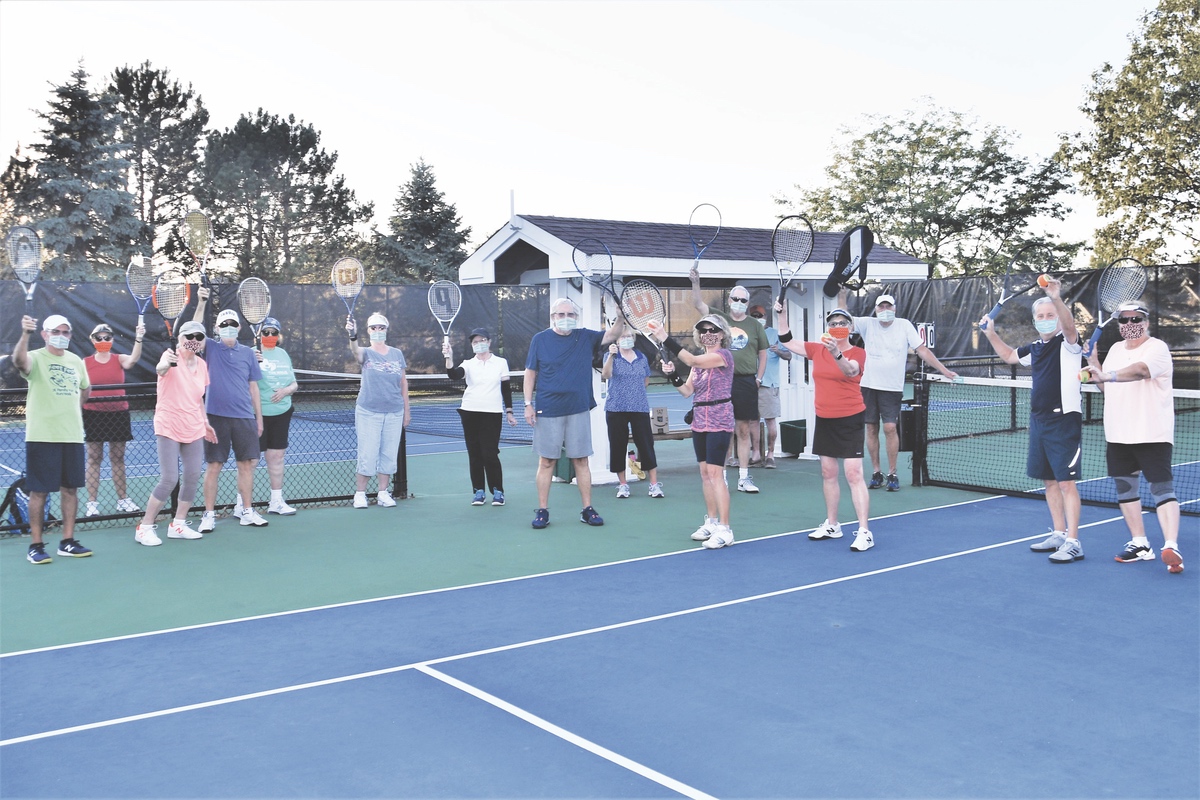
{"x":52,"y":411}
{"x":277,"y":372}
{"x":749,"y":339}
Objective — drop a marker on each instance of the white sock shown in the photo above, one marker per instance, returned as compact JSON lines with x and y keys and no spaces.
{"x":1171,"y":545}
{"x":1141,"y":541}
{"x":743,"y":473}
{"x":277,"y":495}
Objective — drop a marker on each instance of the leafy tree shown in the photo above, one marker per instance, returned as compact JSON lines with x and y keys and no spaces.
{"x":276,"y":200}
{"x":426,"y":243}
{"x":80,"y":201}
{"x":1141,"y":158}
{"x":939,"y":187}
{"x":162,"y":124}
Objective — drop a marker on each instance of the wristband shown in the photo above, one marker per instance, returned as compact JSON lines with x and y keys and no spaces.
{"x":354,"y":337}
{"x":676,"y":380}
{"x":1111,"y":377}
{"x":672,"y":346}
{"x":785,"y":337}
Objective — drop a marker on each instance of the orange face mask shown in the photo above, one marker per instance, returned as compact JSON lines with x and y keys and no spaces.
{"x":839,"y":332}
{"x":269,"y":342}
{"x":102,"y":347}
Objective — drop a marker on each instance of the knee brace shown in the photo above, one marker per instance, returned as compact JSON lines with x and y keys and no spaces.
{"x":1162,"y":492}
{"x":1127,"y":488}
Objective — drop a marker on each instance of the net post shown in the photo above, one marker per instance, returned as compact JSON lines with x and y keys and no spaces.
{"x":400,"y":479}
{"x":921,"y":424}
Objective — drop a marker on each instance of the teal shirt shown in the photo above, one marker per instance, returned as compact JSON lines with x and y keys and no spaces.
{"x":277,"y":373}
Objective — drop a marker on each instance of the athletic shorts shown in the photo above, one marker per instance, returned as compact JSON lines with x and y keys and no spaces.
{"x":1055,"y":448}
{"x":1152,"y":459}
{"x":840,"y":437}
{"x":50,"y":466}
{"x":242,"y":434}
{"x":768,"y":402}
{"x":882,"y":405}
{"x":107,"y":426}
{"x":554,"y":437}
{"x":711,"y":446}
{"x":275,"y":431}
{"x":745,"y":398}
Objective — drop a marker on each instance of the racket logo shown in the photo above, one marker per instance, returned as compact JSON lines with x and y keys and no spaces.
{"x":640,"y":306}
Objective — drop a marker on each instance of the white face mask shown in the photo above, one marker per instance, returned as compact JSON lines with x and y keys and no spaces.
{"x":378,"y":336}
{"x":625,"y":343}
{"x":61,"y":342}
{"x":1045,"y":325}
{"x":736,"y":307}
{"x":481,"y":347}
{"x":566,"y":324}
{"x":885,"y":316}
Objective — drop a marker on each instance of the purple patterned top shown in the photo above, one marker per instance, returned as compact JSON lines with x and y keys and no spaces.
{"x":627,"y":386}
{"x":713,"y":384}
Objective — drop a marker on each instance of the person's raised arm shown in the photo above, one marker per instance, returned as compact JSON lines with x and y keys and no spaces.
{"x":1006,"y":353}
{"x":785,"y":332}
{"x":20,"y":355}
{"x":697,"y":298}
{"x":201,"y":304}
{"x":1065,"y":321}
{"x":135,"y":354}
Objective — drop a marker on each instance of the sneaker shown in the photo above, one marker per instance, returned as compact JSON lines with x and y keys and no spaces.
{"x":863,"y":540}
{"x":1049,"y":544}
{"x":477,"y":500}
{"x":208,"y":522}
{"x":1173,"y":560}
{"x":706,"y":530}
{"x":37,"y":554}
{"x":732,"y":462}
{"x":384,"y":499}
{"x":876,"y":480}
{"x":746,"y":484}
{"x":360,"y":500}
{"x":147,"y":535}
{"x":623,"y":491}
{"x":769,"y":462}
{"x":72,"y":548}
{"x":179,"y":529}
{"x":541,"y":518}
{"x":827,"y":530}
{"x":238,"y":511}
{"x":1135,"y":552}
{"x":893,"y":483}
{"x":497,"y":498}
{"x":754,"y":462}
{"x":249,"y":517}
{"x":93,"y":509}
{"x":281,"y":508}
{"x":127,"y":505}
{"x":1070,"y":550}
{"x":656,"y":490}
{"x":590,"y":516}
{"x":722,"y":536}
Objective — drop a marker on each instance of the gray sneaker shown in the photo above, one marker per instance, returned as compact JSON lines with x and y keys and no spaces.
{"x":1050,"y":544}
{"x":1071,"y":550}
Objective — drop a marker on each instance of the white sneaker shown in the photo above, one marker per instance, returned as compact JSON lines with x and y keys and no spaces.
{"x":93,"y":509}
{"x":656,"y":490}
{"x":145,"y":535}
{"x":623,"y":491}
{"x":862,"y":541}
{"x":746,"y":484}
{"x":828,"y":530}
{"x":208,"y":522}
{"x":704,"y":531}
{"x":127,"y":505}
{"x":722,"y":537}
{"x":251,"y":517}
{"x":179,"y":529}
{"x":360,"y":500}
{"x":238,"y":510}
{"x":281,"y":508}
{"x":384,"y":499}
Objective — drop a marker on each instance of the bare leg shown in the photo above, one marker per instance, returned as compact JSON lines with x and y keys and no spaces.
{"x":95,"y":455}
{"x":583,"y":477}
{"x":116,"y":459}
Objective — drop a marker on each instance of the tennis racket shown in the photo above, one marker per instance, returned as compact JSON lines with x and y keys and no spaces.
{"x":196,"y":232}
{"x":851,"y":257}
{"x":24,"y":248}
{"x":594,"y":263}
{"x":254,"y":298}
{"x":347,"y":278}
{"x":1021,"y":275}
{"x":1123,"y":281}
{"x":791,"y":246}
{"x":139,"y":277}
{"x":445,"y":299}
{"x":643,"y":306}
{"x":170,"y":295}
{"x":703,"y":227}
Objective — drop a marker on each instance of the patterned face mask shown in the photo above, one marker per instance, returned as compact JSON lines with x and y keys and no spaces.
{"x":1132,"y":330}
{"x":193,"y":346}
{"x":710,"y":339}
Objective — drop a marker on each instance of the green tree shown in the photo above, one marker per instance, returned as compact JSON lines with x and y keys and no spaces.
{"x":939,"y":187}
{"x":83,"y":209}
{"x":425,"y":242}
{"x":16,"y":190}
{"x":1141,"y":157}
{"x":275,"y":199}
{"x":162,"y":124}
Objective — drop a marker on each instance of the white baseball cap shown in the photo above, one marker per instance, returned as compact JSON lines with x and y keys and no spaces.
{"x":53,"y":321}
{"x":228,"y":313}
{"x":377,"y":319}
{"x":885,"y":298}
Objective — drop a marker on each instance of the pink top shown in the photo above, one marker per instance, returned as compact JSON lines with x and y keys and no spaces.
{"x":180,"y":414}
{"x":713,"y":384}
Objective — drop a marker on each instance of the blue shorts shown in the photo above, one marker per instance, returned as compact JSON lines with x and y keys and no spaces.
{"x":1055,"y":448}
{"x":50,"y":466}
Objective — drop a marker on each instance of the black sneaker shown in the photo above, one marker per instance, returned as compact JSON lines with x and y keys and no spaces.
{"x":37,"y":554}
{"x":893,"y":483}
{"x":590,"y":516}
{"x":1135,"y":552}
{"x":72,"y":548}
{"x":876,"y":480}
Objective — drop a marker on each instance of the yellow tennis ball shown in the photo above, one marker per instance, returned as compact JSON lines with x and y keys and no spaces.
{"x":1084,"y":376}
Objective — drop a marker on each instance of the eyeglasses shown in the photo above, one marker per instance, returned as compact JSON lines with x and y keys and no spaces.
{"x":757,"y":316}
{"x":270,"y":333}
{"x":561,"y":314}
{"x":1128,"y":320}
{"x":101,"y":338}
{"x":194,"y":337}
{"x":838,"y":323}
{"x":377,"y":327}
{"x":708,"y":330}
{"x":739,"y":299}
{"x":228,"y":324}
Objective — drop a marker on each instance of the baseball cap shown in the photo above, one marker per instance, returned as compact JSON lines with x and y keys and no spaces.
{"x":272,"y":323}
{"x":480,"y":332}
{"x":377,"y":319}
{"x":228,"y":313}
{"x":191,"y":326}
{"x":838,"y":312}
{"x":53,"y":321}
{"x":101,"y":328}
{"x":885,"y":298}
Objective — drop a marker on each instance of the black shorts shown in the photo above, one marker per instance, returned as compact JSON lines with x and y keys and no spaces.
{"x":275,"y":431}
{"x":745,"y":398}
{"x":882,"y":405}
{"x":711,"y":446}
{"x":242,"y":434}
{"x":50,"y":466}
{"x":1152,"y":459}
{"x":840,"y":437}
{"x":107,"y":426}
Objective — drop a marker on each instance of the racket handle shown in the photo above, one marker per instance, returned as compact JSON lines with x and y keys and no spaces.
{"x":141,"y":320}
{"x":991,"y":315}
{"x":445,"y":342}
{"x":1091,"y":345}
{"x":783,"y":293}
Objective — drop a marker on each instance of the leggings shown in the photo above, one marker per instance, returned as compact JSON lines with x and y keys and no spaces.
{"x":481,"y":431}
{"x":170,"y":452}
{"x":620,"y":425}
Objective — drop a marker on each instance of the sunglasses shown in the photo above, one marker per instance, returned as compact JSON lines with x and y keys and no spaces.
{"x":708,"y":330}
{"x":229,"y":324}
{"x":270,"y":333}
{"x":101,"y":338}
{"x":739,"y":299}
{"x":758,"y":316}
{"x":194,"y":337}
{"x":1127,"y":320}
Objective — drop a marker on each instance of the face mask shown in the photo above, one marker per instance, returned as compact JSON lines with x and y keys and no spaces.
{"x":102,"y":347}
{"x":1045,"y":325}
{"x":566,"y":323}
{"x":839,"y":332}
{"x":710,"y":339}
{"x":885,"y":316}
{"x":61,"y":342}
{"x":481,"y":347}
{"x":1131,"y":330}
{"x":269,"y":342}
{"x":738,"y":308}
{"x":761,"y":321}
{"x":378,"y":336}
{"x":193,"y":346}
{"x":625,"y":343}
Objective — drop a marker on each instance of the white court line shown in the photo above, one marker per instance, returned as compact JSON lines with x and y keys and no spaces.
{"x":562,"y":733}
{"x":530,"y":642}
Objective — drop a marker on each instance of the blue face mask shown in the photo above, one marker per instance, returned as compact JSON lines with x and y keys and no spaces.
{"x":885,"y":316}
{"x":738,"y":308}
{"x":1045,"y":326}
{"x":625,"y":343}
{"x":481,"y":347}
{"x":378,"y":336}
{"x":566,"y":324}
{"x":61,"y":342}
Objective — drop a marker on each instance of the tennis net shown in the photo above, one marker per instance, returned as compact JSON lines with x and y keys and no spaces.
{"x":974,"y":434}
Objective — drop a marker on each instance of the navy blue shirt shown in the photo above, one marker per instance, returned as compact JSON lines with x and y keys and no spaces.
{"x":1056,"y":364}
{"x":564,"y":371}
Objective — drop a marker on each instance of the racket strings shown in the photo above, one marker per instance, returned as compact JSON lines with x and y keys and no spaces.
{"x":792,"y":246}
{"x":197,"y":232}
{"x":24,"y":253}
{"x":445,"y":299}
{"x":704,"y":225}
{"x":348,"y":277}
{"x":1125,"y":285}
{"x":171,"y":296}
{"x":140,"y":277}
{"x":642,"y":305}
{"x":255,"y":300}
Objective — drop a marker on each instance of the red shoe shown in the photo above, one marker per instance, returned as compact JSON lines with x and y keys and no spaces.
{"x":1172,"y":559}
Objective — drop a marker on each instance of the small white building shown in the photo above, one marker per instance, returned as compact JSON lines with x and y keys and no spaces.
{"x":536,"y":250}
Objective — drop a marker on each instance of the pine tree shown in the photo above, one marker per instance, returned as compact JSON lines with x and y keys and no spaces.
{"x":16,"y":191}
{"x":426,"y":243}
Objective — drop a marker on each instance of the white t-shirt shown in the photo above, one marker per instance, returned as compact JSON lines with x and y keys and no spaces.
{"x":887,"y":351}
{"x":1137,"y":412}
{"x":483,"y":384}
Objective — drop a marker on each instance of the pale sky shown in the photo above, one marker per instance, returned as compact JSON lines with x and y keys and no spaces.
{"x":615,"y":110}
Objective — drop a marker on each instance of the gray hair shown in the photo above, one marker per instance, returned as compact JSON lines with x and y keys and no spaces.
{"x":1041,"y":301}
{"x":574,"y":306}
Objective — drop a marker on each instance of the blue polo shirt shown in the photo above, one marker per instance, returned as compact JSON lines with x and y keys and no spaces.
{"x":230,"y":370}
{"x":564,"y":371}
{"x":1055,"y":364}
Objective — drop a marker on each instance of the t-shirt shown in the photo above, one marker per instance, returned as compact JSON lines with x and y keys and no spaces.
{"x":715,"y":383}
{"x":230,"y":371}
{"x":749,"y":339}
{"x":179,"y":414}
{"x":771,"y":373}
{"x":1140,"y":411}
{"x":382,"y":377}
{"x":105,"y":374}
{"x":484,"y":376}
{"x":277,"y":373}
{"x":837,"y":394}
{"x":52,"y":410}
{"x":887,"y":349}
{"x":1055,"y":366}
{"x":564,"y":371}
{"x":627,"y":386}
